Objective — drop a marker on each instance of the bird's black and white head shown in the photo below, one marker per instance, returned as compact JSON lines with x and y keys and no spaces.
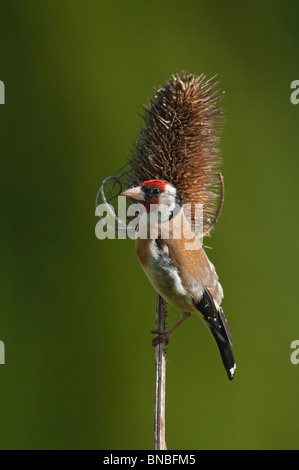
{"x":158,"y":197}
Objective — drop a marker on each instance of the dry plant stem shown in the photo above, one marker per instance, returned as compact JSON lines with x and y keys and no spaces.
{"x":160,"y":378}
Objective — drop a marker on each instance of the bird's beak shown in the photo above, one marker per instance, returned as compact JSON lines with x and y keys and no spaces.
{"x":135,"y":193}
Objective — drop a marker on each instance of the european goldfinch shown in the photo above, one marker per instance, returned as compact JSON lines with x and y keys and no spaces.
{"x":183,"y":277}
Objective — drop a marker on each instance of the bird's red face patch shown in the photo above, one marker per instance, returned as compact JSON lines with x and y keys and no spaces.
{"x":153,"y":189}
{"x":155,"y":184}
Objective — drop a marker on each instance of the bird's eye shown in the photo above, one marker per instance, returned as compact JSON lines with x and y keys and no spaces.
{"x":156,"y":191}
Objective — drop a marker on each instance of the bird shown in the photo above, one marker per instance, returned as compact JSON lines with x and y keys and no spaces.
{"x":178,"y":266}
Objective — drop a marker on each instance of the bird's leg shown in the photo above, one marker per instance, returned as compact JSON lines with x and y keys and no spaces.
{"x":163,"y":336}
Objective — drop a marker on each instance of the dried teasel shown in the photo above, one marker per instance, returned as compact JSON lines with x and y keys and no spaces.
{"x":179,"y":142}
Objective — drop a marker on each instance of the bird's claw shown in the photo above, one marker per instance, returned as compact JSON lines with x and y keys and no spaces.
{"x":162,"y":337}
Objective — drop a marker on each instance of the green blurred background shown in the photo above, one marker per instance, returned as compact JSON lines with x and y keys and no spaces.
{"x":76,"y":311}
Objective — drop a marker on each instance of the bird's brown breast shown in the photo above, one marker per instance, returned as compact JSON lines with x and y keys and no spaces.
{"x":186,"y":255}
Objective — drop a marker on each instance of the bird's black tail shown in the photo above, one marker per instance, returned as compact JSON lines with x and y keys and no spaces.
{"x":226,"y":353}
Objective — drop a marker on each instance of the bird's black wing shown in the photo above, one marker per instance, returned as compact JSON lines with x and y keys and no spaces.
{"x":217,"y":324}
{"x":215,"y":317}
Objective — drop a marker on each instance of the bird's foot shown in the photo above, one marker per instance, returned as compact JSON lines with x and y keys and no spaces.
{"x":162,"y":337}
